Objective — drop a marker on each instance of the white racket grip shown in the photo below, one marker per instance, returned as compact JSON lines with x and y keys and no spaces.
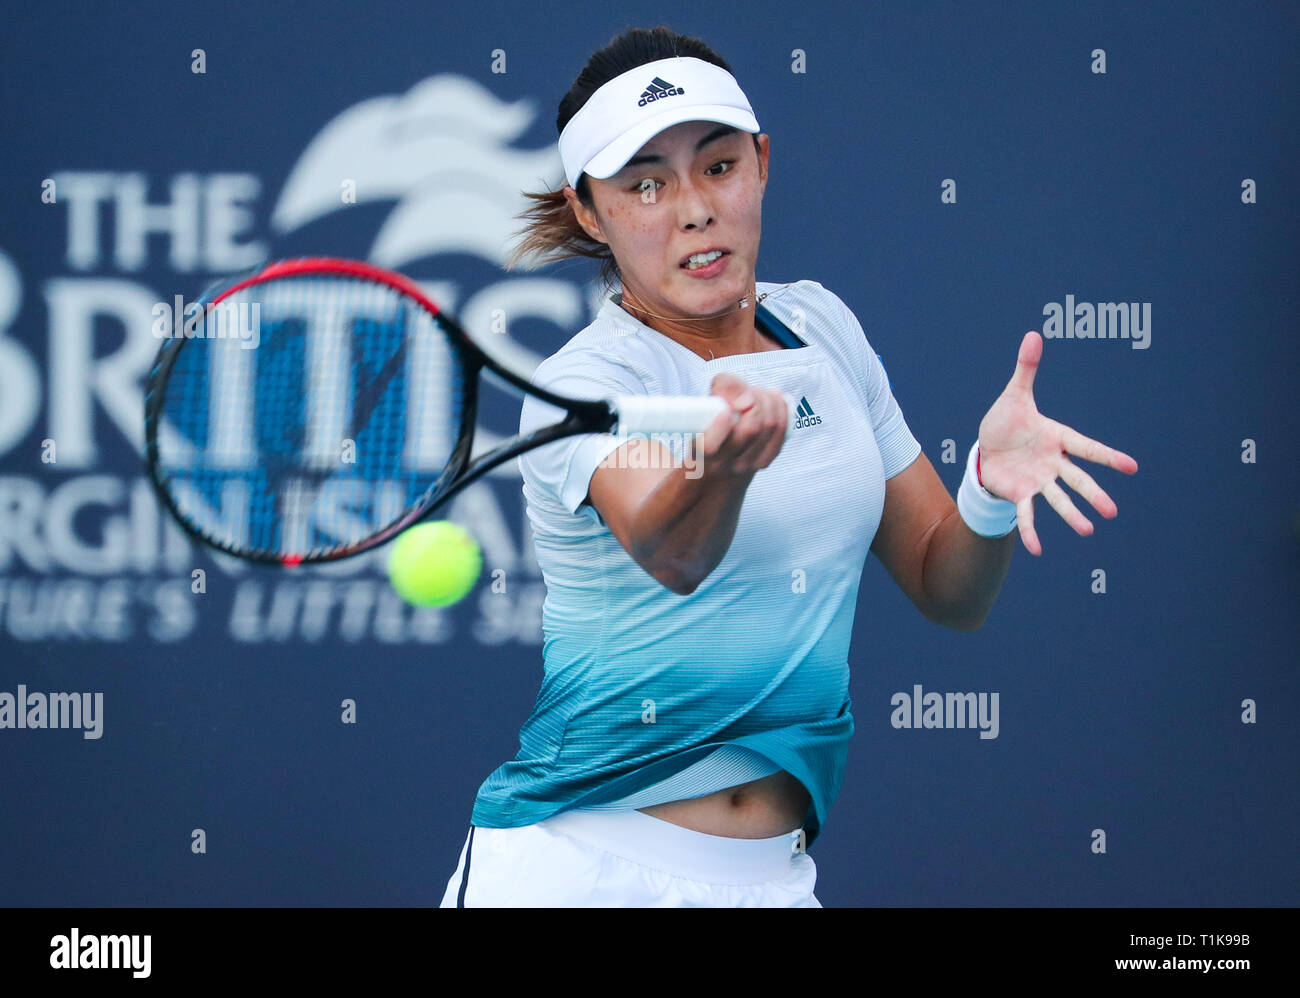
{"x":676,"y":413}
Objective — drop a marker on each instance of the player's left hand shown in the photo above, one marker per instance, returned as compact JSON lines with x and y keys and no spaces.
{"x":1022,"y":453}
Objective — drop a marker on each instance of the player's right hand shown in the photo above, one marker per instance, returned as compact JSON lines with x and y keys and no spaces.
{"x":748,"y":435}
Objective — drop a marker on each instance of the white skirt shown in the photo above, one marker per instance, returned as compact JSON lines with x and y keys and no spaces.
{"x":616,"y":859}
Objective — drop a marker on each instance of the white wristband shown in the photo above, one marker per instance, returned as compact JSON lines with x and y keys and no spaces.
{"x":983,"y":512}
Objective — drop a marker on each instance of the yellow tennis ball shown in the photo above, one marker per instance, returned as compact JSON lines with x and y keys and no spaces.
{"x":434,"y":564}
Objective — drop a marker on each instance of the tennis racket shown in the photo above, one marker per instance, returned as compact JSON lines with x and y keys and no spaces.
{"x":313,"y":409}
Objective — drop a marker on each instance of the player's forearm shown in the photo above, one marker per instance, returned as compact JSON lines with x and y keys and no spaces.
{"x":963,"y":573}
{"x":685,"y":526}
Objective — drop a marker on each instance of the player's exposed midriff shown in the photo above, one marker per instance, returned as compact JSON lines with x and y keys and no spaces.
{"x":761,"y":809}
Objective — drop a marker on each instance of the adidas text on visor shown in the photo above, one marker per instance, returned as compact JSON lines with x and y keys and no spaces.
{"x":628,"y":111}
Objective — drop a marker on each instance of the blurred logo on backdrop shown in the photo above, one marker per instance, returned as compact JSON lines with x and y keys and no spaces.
{"x":428,"y":183}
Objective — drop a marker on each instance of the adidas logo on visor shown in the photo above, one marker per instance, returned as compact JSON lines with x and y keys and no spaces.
{"x":658,"y":90}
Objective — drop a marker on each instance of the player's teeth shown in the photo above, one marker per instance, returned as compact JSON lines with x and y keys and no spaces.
{"x":702,"y":259}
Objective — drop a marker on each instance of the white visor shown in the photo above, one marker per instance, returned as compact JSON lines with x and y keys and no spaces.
{"x":628,"y":111}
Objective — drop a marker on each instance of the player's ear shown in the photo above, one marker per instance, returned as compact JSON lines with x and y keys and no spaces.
{"x":763,"y":150}
{"x":586,"y":216}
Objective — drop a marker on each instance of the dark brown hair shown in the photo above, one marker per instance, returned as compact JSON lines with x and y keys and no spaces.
{"x":552,"y":231}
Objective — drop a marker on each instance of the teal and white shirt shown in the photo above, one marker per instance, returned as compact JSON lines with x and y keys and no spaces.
{"x":649,"y":696}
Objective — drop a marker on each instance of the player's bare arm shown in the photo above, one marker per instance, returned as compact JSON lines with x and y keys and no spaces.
{"x":952,"y":574}
{"x":678,"y":526}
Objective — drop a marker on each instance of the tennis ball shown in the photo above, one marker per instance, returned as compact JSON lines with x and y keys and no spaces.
{"x":434,"y":564}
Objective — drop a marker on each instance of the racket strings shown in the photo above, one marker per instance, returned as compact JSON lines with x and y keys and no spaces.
{"x":337,"y":411}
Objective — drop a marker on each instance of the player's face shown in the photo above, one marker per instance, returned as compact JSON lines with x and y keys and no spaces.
{"x":688,"y":198}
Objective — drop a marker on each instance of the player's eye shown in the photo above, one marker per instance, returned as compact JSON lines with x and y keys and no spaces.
{"x":649,"y":182}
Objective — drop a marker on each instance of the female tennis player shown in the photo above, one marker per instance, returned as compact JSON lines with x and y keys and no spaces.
{"x":690,"y":733}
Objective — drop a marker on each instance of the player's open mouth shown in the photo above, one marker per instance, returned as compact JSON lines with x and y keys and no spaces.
{"x":705,"y":264}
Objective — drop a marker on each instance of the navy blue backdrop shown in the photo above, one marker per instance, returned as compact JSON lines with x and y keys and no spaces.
{"x":949,"y":170}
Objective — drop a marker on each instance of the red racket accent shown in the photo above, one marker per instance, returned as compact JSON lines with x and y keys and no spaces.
{"x":332,"y":265}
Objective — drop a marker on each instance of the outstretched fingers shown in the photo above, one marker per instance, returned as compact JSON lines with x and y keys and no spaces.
{"x":1077,"y":444}
{"x":1027,"y":360}
{"x":1025,"y":522}
{"x":1083,"y":483}
{"x":1060,"y":502}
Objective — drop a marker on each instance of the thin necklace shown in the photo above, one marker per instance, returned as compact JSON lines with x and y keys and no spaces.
{"x":744,"y":303}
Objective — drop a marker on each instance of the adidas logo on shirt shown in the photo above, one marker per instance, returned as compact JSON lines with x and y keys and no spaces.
{"x":804,"y":415}
{"x":658,"y":90}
